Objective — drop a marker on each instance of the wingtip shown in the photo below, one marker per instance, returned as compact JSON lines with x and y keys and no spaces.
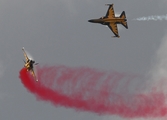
{"x":36,"y":63}
{"x":116,"y":36}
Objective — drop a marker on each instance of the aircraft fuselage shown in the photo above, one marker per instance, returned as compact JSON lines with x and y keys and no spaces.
{"x":111,"y":21}
{"x":106,"y":21}
{"x":29,"y":64}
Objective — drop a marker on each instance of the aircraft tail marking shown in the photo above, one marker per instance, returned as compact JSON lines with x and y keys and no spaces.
{"x":124,"y":23}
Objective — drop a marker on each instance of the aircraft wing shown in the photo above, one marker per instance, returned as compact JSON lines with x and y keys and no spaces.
{"x":110,"y":13}
{"x":113,"y":28}
{"x":33,"y":73}
{"x":25,"y":55}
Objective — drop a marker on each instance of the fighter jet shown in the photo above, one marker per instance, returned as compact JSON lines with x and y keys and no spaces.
{"x":111,"y":21}
{"x":29,"y":64}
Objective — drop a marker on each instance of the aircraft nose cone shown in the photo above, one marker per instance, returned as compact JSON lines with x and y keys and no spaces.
{"x":90,"y":20}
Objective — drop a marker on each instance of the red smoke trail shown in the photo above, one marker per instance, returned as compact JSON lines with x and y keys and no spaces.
{"x":102,"y":92}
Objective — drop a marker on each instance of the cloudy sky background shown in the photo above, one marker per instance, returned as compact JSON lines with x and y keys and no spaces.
{"x":57,"y":32}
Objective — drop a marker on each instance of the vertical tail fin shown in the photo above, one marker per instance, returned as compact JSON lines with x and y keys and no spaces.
{"x":123,"y":15}
{"x":124,"y":23}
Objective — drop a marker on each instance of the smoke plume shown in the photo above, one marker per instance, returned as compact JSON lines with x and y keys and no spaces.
{"x":96,"y":91}
{"x":153,"y":17}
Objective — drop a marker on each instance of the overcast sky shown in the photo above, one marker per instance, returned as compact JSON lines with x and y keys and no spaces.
{"x":57,"y":32}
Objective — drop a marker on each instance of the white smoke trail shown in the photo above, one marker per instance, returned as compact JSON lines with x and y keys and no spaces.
{"x":153,"y":17}
{"x":159,"y":71}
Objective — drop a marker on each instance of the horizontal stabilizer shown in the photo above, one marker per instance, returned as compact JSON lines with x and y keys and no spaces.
{"x":24,"y":61}
{"x":124,"y":23}
{"x":36,"y":63}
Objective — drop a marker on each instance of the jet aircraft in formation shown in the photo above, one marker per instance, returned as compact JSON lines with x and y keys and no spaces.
{"x":28,"y":64}
{"x":111,"y":21}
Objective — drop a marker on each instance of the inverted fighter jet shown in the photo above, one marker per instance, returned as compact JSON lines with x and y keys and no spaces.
{"x":111,"y":21}
{"x":29,"y":64}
